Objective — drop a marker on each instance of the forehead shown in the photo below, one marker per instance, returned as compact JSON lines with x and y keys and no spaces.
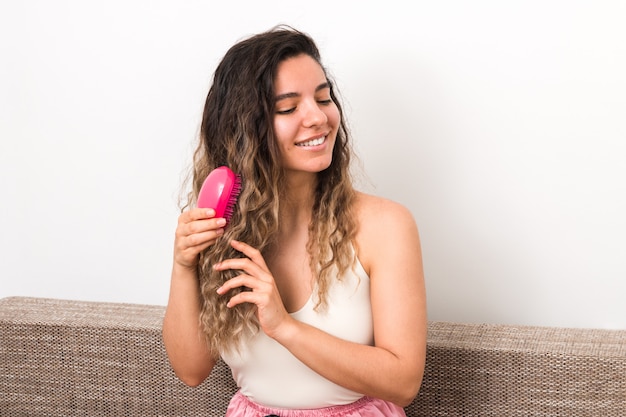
{"x":299,"y":72}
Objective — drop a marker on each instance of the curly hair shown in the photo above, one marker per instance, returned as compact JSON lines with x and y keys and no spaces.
{"x":237,"y":131}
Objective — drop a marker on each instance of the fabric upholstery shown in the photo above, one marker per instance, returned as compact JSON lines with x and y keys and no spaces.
{"x":76,"y":358}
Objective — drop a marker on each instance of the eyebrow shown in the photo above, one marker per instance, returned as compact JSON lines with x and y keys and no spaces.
{"x":291,"y":95}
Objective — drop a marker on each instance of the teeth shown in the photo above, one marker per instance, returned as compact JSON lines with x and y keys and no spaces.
{"x":314,"y":142}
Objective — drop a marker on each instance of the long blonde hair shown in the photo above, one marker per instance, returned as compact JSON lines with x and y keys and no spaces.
{"x":237,"y":131}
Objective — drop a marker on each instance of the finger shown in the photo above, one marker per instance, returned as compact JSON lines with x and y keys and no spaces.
{"x":201,"y":238}
{"x":196,"y":214}
{"x":201,"y":226}
{"x":252,"y":253}
{"x":188,"y":255}
{"x":243,"y":264}
{"x":245,"y":280}
{"x":259,"y":294}
{"x":245,"y":297}
{"x":191,"y":246}
{"x":242,"y":280}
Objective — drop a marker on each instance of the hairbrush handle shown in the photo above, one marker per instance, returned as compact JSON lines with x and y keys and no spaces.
{"x":219,"y":191}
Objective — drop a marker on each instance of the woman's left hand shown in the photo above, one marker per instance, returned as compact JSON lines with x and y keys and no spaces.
{"x":257,"y":277}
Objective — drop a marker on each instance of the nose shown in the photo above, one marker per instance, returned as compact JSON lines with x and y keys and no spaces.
{"x":314,"y":115}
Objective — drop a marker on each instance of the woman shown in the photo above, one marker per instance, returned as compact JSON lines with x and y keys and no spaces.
{"x":313,"y":293}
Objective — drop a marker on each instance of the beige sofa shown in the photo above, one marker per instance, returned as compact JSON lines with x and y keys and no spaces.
{"x":72,"y":358}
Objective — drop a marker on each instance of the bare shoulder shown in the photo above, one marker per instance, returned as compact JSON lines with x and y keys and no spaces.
{"x":384,"y":226}
{"x":373,"y":210}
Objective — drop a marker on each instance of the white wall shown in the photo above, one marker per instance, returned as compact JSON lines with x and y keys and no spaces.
{"x":501,"y":125}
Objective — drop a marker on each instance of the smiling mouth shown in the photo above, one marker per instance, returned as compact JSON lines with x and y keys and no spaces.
{"x":313,"y":142}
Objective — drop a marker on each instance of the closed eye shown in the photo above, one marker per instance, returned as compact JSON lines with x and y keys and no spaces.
{"x":293,"y":109}
{"x":287,"y":111}
{"x":290,"y":110}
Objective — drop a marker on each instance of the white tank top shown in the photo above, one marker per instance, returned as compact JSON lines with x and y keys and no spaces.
{"x":270,"y":375}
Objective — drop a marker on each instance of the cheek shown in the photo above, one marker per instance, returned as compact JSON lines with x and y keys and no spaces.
{"x":283,"y":130}
{"x":284,"y":135}
{"x":333,"y":117}
{"x":279,"y":133}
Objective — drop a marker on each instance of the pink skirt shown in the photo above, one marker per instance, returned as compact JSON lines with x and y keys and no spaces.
{"x":241,"y":406}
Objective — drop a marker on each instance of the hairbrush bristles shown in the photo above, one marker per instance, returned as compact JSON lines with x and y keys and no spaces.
{"x":220,"y":191}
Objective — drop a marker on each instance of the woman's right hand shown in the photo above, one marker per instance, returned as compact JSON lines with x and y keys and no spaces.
{"x":197,"y":229}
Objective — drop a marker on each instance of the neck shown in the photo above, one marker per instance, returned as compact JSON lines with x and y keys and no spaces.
{"x":297,"y":201}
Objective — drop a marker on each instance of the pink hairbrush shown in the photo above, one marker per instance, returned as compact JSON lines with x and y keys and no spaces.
{"x":219,"y":191}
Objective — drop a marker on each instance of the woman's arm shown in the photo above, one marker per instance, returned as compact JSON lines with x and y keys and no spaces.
{"x":389,"y":249}
{"x":184,"y":342}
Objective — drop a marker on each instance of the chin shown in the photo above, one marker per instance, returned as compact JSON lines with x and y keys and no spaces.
{"x":324,"y":166}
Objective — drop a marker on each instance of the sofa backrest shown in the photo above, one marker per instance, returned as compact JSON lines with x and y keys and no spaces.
{"x":72,"y":358}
